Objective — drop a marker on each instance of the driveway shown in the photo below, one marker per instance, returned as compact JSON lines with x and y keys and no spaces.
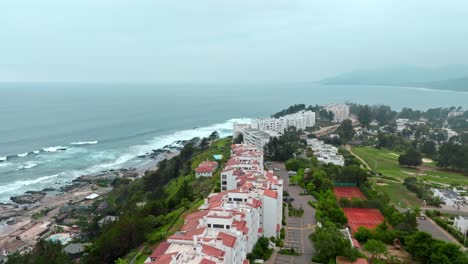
{"x":298,"y":229}
{"x":429,"y":226}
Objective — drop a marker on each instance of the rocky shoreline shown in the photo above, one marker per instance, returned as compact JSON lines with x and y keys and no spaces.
{"x":33,"y":197}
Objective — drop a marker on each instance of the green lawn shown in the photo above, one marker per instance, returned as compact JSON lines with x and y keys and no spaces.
{"x":386,"y":162}
{"x":397,"y":192}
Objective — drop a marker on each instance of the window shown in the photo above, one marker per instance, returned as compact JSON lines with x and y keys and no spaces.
{"x":218,"y":226}
{"x":209,"y":225}
{"x":224,"y":177}
{"x":238,"y":199}
{"x":224,"y":182}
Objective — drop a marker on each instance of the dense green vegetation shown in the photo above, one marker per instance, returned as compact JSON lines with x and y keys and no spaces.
{"x":260,"y":250}
{"x":329,"y":243}
{"x":422,"y":191}
{"x":45,"y":252}
{"x":284,"y":147}
{"x":411,"y":158}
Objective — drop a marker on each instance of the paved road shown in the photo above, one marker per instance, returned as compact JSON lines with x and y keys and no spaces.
{"x":298,"y":229}
{"x":429,"y":226}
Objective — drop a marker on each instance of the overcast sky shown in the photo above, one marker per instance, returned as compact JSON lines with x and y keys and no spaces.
{"x":224,"y":40}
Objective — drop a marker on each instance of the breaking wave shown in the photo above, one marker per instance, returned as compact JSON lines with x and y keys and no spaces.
{"x":79,"y":143}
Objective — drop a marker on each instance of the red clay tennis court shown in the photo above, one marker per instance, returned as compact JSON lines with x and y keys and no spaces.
{"x":366,"y":217}
{"x":348,"y":192}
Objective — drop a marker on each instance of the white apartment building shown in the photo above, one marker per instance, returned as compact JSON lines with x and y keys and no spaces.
{"x":229,"y":223}
{"x":455,"y":113}
{"x":461,"y":224}
{"x":257,"y":137}
{"x":299,"y":120}
{"x":325,"y":153}
{"x":340,"y":112}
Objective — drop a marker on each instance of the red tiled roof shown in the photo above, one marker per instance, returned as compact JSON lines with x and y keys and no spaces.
{"x":207,"y":261}
{"x":195,"y":232}
{"x":278,"y":228}
{"x":212,"y":251}
{"x":158,"y":251}
{"x":260,"y":230}
{"x":228,"y":240}
{"x":190,"y":225}
{"x":255,"y":203}
{"x":206,"y":167}
{"x":344,"y":260}
{"x":246,"y":261}
{"x":271,"y":193}
{"x":239,"y":225}
{"x":165,"y":259}
{"x":197,"y":214}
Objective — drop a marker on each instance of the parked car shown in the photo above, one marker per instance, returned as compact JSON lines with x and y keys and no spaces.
{"x":276,"y":169}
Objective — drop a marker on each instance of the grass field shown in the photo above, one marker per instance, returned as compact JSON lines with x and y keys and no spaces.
{"x":399,"y":195}
{"x":386,"y":162}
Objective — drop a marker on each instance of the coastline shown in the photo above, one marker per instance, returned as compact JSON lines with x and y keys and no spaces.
{"x":48,"y":202}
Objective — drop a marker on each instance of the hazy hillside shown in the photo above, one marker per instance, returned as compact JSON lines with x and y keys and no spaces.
{"x":452,"y":77}
{"x":460,"y":84}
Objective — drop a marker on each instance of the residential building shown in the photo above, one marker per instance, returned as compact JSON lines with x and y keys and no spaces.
{"x":340,"y":112}
{"x":461,"y":224}
{"x":256,"y":137}
{"x":449,"y":197}
{"x":325,"y":153}
{"x":206,"y":169}
{"x":239,"y":128}
{"x":455,"y":113}
{"x":299,"y":120}
{"x":229,"y":223}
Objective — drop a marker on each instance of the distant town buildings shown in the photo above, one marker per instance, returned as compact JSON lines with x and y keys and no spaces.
{"x":455,"y":113}
{"x":206,"y":169}
{"x":340,"y":112}
{"x":299,"y":120}
{"x":325,"y":153}
{"x":229,"y":223}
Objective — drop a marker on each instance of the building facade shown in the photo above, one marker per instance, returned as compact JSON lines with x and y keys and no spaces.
{"x":229,"y":223}
{"x":340,"y":112}
{"x":300,"y":120}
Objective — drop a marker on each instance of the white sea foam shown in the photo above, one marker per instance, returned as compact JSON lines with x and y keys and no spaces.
{"x":3,"y":159}
{"x":54,"y":149}
{"x":23,"y":154}
{"x":18,"y":184}
{"x":36,"y":151}
{"x":85,"y":143}
{"x":27,"y":165}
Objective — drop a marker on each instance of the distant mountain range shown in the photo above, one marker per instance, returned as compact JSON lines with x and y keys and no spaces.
{"x":452,"y":77}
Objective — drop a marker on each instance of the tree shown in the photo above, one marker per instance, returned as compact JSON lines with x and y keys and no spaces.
{"x":419,"y":245}
{"x":239,"y":139}
{"x":375,"y":247}
{"x":204,"y":144}
{"x":429,"y":148}
{"x":411,"y":158}
{"x":346,"y":130}
{"x":365,"y":116}
{"x":384,"y":114}
{"x":329,"y":242}
{"x":45,"y":252}
{"x":214,"y":136}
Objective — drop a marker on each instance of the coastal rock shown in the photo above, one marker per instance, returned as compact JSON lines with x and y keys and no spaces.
{"x":29,"y":198}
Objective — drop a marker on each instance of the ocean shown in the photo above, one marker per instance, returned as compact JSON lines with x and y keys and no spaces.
{"x":51,"y":134}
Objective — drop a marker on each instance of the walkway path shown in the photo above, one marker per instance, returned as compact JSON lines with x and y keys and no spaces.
{"x":348,"y":147}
